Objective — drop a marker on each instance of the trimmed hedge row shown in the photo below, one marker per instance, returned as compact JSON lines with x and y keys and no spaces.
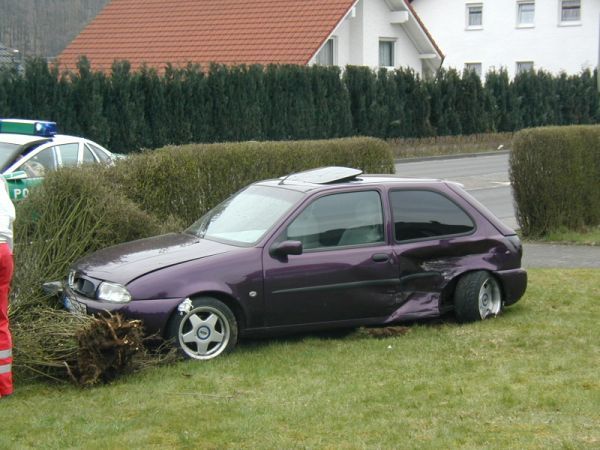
{"x":186,"y":181}
{"x":555,"y":173}
{"x":127,"y":111}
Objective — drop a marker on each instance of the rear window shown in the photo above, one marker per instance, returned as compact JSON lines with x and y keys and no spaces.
{"x":421,"y":214}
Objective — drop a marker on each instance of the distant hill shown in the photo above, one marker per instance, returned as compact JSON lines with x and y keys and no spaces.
{"x":44,"y":27}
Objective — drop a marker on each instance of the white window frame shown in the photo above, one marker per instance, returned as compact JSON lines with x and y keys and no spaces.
{"x":392,"y":43}
{"x":568,"y":22}
{"x":468,"y":8}
{"x":520,"y":23}
{"x":474,"y":67}
{"x":332,"y":41}
{"x":519,"y":67}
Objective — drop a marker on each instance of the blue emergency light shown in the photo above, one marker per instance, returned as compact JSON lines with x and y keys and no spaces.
{"x":29,"y":127}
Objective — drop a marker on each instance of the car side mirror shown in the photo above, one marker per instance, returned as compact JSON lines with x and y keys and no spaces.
{"x":286,"y":248}
{"x":16,"y":175}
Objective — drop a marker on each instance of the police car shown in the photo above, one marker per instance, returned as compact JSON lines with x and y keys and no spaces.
{"x":29,"y":149}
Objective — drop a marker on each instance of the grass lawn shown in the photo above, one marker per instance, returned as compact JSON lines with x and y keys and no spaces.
{"x":449,"y":145}
{"x":588,"y":237}
{"x":528,"y":379}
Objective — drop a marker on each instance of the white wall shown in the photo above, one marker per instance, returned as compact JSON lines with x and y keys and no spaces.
{"x":501,"y":43}
{"x":357,"y":38}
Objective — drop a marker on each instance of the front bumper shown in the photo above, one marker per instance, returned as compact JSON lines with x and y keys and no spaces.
{"x":153,"y":313}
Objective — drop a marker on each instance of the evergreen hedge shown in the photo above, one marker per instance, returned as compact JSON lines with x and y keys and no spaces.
{"x":127,"y":111}
{"x":555,"y":173}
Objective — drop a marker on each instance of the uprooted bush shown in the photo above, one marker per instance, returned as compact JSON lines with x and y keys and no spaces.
{"x":77,"y":211}
{"x":554,"y":172}
{"x":74,"y":212}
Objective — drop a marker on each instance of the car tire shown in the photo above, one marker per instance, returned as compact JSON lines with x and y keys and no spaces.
{"x":203,"y":328}
{"x":477,"y":297}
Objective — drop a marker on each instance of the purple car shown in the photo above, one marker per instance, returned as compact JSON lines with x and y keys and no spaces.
{"x":320,"y":249}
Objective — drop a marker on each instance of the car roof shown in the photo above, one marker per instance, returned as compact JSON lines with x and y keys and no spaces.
{"x":22,"y":139}
{"x":326,"y":178}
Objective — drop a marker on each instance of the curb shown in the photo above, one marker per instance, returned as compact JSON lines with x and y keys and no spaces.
{"x":456,"y":156}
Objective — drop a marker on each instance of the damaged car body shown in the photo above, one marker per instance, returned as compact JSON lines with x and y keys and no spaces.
{"x":320,"y":249}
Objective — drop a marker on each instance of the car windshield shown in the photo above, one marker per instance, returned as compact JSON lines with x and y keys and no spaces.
{"x":246,"y":217}
{"x":7,"y":153}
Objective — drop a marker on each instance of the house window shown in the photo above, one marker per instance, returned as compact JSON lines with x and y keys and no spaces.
{"x":474,"y":16}
{"x":570,"y":11}
{"x":524,"y":66}
{"x":525,"y":13}
{"x":386,"y":53}
{"x":325,"y":55}
{"x":473,"y":67}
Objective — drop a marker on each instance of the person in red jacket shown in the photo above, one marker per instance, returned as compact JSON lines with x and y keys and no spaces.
{"x":7,"y":216}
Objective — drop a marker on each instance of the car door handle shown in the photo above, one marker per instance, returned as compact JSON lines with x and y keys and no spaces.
{"x":380,"y":257}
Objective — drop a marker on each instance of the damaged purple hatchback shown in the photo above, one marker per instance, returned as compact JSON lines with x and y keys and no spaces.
{"x":319,"y":249}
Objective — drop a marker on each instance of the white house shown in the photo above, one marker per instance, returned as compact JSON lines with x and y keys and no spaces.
{"x":154,"y":33}
{"x":381,"y":33}
{"x":482,"y":35}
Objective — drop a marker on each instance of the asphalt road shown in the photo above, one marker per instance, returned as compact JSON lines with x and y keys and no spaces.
{"x":485,"y":177}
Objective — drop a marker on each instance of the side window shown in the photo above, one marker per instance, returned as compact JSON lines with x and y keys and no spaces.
{"x":40,"y":164}
{"x":69,"y":154}
{"x":337,"y":220}
{"x":88,"y":156}
{"x":100,"y":154}
{"x":426,"y":214}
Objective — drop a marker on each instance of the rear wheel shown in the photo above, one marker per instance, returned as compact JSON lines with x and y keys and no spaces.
{"x":203,"y":328}
{"x":477,"y":297}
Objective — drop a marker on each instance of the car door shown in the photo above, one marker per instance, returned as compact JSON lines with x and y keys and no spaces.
{"x":346,"y":271}
{"x":36,"y":166}
{"x":432,"y":242}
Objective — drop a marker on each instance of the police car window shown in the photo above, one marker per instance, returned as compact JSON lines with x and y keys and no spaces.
{"x":88,"y":156}
{"x":69,"y":154}
{"x":421,"y":214}
{"x":101,"y":154}
{"x":40,"y":164}
{"x":352,"y":218}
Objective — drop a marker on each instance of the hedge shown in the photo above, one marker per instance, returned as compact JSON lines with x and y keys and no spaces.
{"x":127,"y":111}
{"x":186,"y":181}
{"x":555,"y":173}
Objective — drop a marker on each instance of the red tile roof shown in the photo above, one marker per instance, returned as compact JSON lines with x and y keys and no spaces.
{"x":157,"y":32}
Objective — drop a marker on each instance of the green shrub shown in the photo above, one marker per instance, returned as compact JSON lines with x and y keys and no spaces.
{"x":554,"y":172}
{"x":185,"y":181}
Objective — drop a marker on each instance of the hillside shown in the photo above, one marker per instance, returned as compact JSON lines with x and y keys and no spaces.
{"x":44,"y":27}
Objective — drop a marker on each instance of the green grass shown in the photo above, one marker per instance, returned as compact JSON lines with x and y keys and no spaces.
{"x":528,"y":379}
{"x":449,"y":145}
{"x":588,"y":237}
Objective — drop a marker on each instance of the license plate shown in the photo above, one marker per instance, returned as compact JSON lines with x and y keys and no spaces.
{"x":74,"y":306}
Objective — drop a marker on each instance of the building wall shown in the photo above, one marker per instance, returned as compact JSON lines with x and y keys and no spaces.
{"x":357,"y":38}
{"x":500,"y":42}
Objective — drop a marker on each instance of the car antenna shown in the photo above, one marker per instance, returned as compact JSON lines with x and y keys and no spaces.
{"x":285,"y":178}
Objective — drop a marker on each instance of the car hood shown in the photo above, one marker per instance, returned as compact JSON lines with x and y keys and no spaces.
{"x":125,"y":262}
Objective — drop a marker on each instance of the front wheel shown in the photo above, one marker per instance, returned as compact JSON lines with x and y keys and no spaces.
{"x":477,"y":297}
{"x":203,"y":328}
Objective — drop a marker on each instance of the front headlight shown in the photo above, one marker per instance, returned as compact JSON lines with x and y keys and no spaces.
{"x":112,"y":292}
